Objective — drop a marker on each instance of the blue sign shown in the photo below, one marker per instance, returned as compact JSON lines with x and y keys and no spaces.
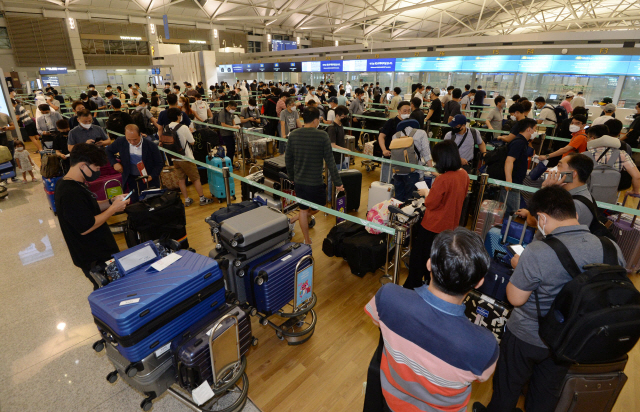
{"x":280,"y":45}
{"x":165,"y":20}
{"x":52,"y":80}
{"x":292,"y":67}
{"x":491,"y":64}
{"x":53,"y":70}
{"x":381,"y":65}
{"x":591,"y":64}
{"x":304,"y":282}
{"x":331,"y":66}
{"x":238,"y":68}
{"x":447,"y":64}
{"x":414,"y":64}
{"x":265,"y":67}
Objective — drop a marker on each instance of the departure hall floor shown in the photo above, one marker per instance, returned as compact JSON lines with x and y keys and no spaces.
{"x":46,"y":327}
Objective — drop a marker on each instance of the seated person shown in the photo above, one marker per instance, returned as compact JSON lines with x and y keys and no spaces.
{"x":432,"y":353}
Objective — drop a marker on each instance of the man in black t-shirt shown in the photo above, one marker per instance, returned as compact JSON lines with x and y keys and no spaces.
{"x":416,"y":111}
{"x":516,"y":164}
{"x":83,"y":220}
{"x":435,"y":113}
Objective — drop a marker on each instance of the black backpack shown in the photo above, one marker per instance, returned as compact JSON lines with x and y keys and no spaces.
{"x":495,"y":160}
{"x":140,"y":121}
{"x":596,"y":316}
{"x":597,"y":226}
{"x":115,"y":123}
{"x":170,"y":140}
{"x":560,"y":112}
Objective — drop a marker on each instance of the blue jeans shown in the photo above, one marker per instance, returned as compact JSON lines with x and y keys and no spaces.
{"x":405,"y":185}
{"x":512,"y":200}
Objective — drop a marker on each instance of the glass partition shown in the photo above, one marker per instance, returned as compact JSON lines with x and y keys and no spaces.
{"x":505,"y":84}
{"x":460,"y":79}
{"x":404,"y":80}
{"x":554,"y":86}
{"x":438,"y":79}
{"x":385,"y":79}
{"x":631,"y":92}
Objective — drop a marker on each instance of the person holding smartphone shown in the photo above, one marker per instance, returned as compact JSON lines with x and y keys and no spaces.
{"x":83,"y":219}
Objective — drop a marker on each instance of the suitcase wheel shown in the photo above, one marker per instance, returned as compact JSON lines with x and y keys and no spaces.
{"x":241,"y":273}
{"x":264,"y":321}
{"x":218,"y":246}
{"x":132,"y":370}
{"x":99,"y":345}
{"x":112,"y":377}
{"x":254,"y":342}
{"x":253,"y":312}
{"x":279,"y":335}
{"x":146,"y":404}
{"x":237,"y":262}
{"x":259,"y":280}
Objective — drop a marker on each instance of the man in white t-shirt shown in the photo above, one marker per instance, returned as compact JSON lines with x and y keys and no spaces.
{"x":331,"y":114}
{"x":609,"y":109}
{"x":311,"y":95}
{"x":201,"y":109}
{"x":184,"y":168}
{"x":347,"y":89}
{"x":419,"y":93}
{"x":579,"y":101}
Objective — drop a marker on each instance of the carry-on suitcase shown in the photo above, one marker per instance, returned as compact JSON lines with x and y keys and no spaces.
{"x":227,"y":212}
{"x":216,"y":181}
{"x":253,"y":232}
{"x":192,"y":354}
{"x":593,"y":387}
{"x":626,"y":230}
{"x":272,"y":277}
{"x":50,"y":189}
{"x":248,"y":191}
{"x":273,"y":167}
{"x":487,"y":312}
{"x":491,"y":214}
{"x":511,"y":233}
{"x":365,"y":252}
{"x":107,"y":186}
{"x":268,"y":199}
{"x":6,"y":170}
{"x":156,"y":218}
{"x":497,"y":278}
{"x":333,"y":244}
{"x":379,"y":192}
{"x":145,"y":310}
{"x":352,"y":182}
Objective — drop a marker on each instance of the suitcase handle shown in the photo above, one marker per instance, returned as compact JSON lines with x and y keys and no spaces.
{"x":506,"y":232}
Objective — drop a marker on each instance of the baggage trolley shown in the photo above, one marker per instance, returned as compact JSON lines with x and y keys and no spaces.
{"x":402,"y":223}
{"x":230,"y":381}
{"x":369,"y":165}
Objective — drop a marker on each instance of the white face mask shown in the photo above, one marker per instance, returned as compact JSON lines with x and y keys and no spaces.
{"x":405,"y":116}
{"x":232,"y":111}
{"x":86,"y":126}
{"x":252,"y":107}
{"x":513,"y":118}
{"x":19,"y":149}
{"x":534,"y":135}
{"x":573,"y":128}
{"x":541,"y":228}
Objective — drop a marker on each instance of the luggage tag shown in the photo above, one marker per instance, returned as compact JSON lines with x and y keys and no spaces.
{"x":164,"y":262}
{"x":134,"y":258}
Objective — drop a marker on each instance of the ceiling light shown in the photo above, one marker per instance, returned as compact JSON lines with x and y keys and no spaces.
{"x":215,"y":33}
{"x":61,"y":326}
{"x":336,"y":43}
{"x":72,"y":23}
{"x":298,"y":40}
{"x":268,"y":38}
{"x":198,"y":41}
{"x":152,"y":27}
{"x":130,"y":38}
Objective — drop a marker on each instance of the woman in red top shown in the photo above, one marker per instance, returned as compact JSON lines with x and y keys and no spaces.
{"x":444,"y":206}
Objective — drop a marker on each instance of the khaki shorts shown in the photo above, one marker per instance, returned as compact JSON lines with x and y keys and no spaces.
{"x":186,"y":169}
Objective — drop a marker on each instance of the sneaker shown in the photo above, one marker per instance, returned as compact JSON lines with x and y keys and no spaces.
{"x":205,"y":200}
{"x":478,"y":407}
{"x":188,"y":202}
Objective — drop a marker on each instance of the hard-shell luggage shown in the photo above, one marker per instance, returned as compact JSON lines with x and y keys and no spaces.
{"x":491,"y":214}
{"x":143,"y":311}
{"x":272,"y":277}
{"x":273,"y":167}
{"x":267,"y":199}
{"x":626,"y":230}
{"x":365,"y":252}
{"x":254,"y":232}
{"x":248,"y":190}
{"x":192,"y":353}
{"x":593,"y":387}
{"x":517,"y":232}
{"x":216,"y":181}
{"x":493,"y":242}
{"x":334,"y":242}
{"x":379,"y":192}
{"x":50,"y":190}
{"x":6,"y":170}
{"x":496,"y":280}
{"x":157,"y":372}
{"x":487,"y":312}
{"x":352,"y":182}
{"x":230,"y":211}
{"x":156,"y":218}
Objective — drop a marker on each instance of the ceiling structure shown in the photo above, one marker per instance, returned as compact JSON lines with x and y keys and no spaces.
{"x":380,"y":20}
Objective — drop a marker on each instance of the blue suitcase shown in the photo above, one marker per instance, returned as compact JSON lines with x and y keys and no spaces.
{"x":216,"y":181}
{"x":272,"y":278}
{"x":50,"y":189}
{"x":6,"y":171}
{"x":145,"y":310}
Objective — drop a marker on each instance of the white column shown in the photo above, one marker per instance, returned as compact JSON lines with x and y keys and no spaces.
{"x":523,"y":81}
{"x":152,"y":38}
{"x":618,"y":92}
{"x":215,"y":41}
{"x":76,"y":46}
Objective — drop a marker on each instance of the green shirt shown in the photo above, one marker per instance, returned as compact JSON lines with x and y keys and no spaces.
{"x":307,"y":147}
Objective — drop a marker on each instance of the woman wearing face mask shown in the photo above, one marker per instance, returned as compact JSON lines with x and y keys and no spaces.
{"x":250,"y":115}
{"x":82,"y":219}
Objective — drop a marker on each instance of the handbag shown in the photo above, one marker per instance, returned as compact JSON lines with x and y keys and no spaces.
{"x":169,"y":178}
{"x":50,"y":166}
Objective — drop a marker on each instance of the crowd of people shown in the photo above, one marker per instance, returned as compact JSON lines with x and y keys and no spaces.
{"x":424,"y":365}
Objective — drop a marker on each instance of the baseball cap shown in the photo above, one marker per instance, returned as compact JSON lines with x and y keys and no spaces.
{"x":606,"y":100}
{"x":333,"y":100}
{"x":458,"y":120}
{"x":570,"y":94}
{"x":609,"y":107}
{"x":436,"y":91}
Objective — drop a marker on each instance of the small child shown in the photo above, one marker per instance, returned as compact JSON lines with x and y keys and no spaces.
{"x":24,"y":162}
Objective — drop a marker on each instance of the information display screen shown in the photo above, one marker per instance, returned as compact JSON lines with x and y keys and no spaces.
{"x":354,"y":66}
{"x":238,"y":68}
{"x":491,"y":64}
{"x":225,"y":68}
{"x":310,"y":66}
{"x":280,"y":45}
{"x":381,"y":65}
{"x":331,"y":66}
{"x":53,"y":70}
{"x":52,"y":80}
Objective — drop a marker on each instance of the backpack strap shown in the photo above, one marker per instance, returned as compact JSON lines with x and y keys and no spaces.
{"x":610,"y":253}
{"x":589,"y":204}
{"x":564,"y":255}
{"x":464,"y":138}
{"x":615,"y":155}
{"x":602,"y":155}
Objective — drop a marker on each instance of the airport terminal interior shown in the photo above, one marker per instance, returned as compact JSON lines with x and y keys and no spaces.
{"x":302,"y":206}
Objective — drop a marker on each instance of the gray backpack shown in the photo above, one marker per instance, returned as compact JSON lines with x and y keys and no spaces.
{"x":605,"y":178}
{"x":403,"y":150}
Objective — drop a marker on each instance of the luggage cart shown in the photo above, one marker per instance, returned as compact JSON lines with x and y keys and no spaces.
{"x":402,"y":223}
{"x":369,"y":165}
{"x":300,"y":318}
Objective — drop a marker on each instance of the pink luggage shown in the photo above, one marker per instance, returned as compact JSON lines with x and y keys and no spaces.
{"x":491,"y":214}
{"x":626,"y":230}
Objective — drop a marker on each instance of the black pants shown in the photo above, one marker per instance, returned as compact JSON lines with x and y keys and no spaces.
{"x":85,"y":270}
{"x":420,"y":253}
{"x":519,"y":363}
{"x":373,"y":398}
{"x":230,"y":144}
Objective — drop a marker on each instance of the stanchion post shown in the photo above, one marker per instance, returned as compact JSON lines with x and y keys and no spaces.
{"x":482,"y":179}
{"x":242,"y":163}
{"x":227,"y":189}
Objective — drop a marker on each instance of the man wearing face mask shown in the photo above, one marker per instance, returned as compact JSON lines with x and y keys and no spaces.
{"x":87,"y":132}
{"x":524,"y":357}
{"x":226,"y":117}
{"x":47,"y":122}
{"x":516,"y":164}
{"x":250,"y":115}
{"x":201,"y":110}
{"x":83,"y":220}
{"x":578,"y":143}
{"x":289,"y":121}
{"x":60,"y":138}
{"x":386,"y":135}
{"x":136,"y":152}
{"x":466,"y":138}
{"x":311,"y":95}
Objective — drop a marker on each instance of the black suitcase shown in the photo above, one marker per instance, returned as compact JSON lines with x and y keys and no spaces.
{"x":352,"y":182}
{"x":334,"y":242}
{"x":248,"y":191}
{"x":158,"y":217}
{"x":592,"y":387}
{"x":365,"y":252}
{"x":192,"y":355}
{"x":273,"y":167}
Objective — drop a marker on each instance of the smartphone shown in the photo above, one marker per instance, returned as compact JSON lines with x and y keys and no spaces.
{"x":128,"y":196}
{"x":515,"y":249}
{"x":568,"y":176}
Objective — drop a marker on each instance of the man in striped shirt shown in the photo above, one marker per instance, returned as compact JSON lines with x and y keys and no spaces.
{"x":432,"y":352}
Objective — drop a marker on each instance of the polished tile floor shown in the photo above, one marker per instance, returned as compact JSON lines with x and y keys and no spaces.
{"x":46,"y":327}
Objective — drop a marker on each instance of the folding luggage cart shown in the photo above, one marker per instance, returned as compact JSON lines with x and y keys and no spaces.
{"x":403,"y":223}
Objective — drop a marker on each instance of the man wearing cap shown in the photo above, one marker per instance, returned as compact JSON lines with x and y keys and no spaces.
{"x":466,"y":138}
{"x":435,"y":112}
{"x":331,"y":114}
{"x":608,"y":114}
{"x":566,"y":103}
{"x":579,"y":101}
{"x":404,"y":183}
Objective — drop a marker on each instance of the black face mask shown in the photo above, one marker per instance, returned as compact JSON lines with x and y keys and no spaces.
{"x":457,"y":129}
{"x":94,"y":175}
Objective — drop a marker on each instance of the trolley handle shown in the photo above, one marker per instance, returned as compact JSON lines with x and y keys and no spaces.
{"x":398,"y":211}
